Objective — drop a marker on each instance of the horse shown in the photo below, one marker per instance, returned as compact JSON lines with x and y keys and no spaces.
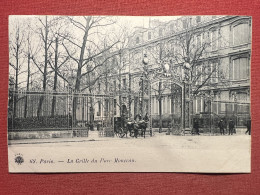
{"x":140,"y":124}
{"x":122,"y":126}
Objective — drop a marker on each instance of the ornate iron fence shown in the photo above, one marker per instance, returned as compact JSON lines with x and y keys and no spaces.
{"x":237,"y":111}
{"x":37,"y":111}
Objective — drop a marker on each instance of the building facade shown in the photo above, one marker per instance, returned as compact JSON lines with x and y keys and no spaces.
{"x":217,"y":50}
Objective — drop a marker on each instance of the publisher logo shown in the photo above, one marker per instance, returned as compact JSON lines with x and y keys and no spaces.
{"x":19,"y":159}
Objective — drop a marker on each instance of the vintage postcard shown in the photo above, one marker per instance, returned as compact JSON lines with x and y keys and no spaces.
{"x":129,"y":94}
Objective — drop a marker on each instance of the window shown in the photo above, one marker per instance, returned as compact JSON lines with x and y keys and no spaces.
{"x":124,"y":84}
{"x":239,"y":69}
{"x":214,"y":71}
{"x":198,"y":75}
{"x":202,"y":73}
{"x":214,"y":41}
{"x":199,"y":41}
{"x":149,"y":35}
{"x":99,"y":86}
{"x":160,"y":32}
{"x":163,"y":105}
{"x":99,"y":108}
{"x":114,"y":61}
{"x":171,"y":47}
{"x":172,"y":27}
{"x":184,"y":24}
{"x":199,"y":105}
{"x":149,"y":54}
{"x":242,"y":97}
{"x":138,"y":58}
{"x":137,"y":40}
{"x":106,"y":107}
{"x":214,"y":105}
{"x":198,"y":19}
{"x":114,"y":85}
{"x":156,"y":106}
{"x":242,"y":107}
{"x":206,"y":38}
{"x":115,"y":106}
{"x":240,"y":34}
{"x":169,"y":104}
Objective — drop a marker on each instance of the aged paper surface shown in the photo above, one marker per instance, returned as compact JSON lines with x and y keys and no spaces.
{"x":185,"y":154}
{"x":129,"y":94}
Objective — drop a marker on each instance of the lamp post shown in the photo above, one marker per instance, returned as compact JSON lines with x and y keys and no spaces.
{"x":143,"y":78}
{"x":91,"y":109}
{"x":211,"y":96}
{"x":186,"y":74}
{"x":146,"y":87}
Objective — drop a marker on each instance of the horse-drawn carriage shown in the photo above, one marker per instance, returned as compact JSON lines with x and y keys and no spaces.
{"x":136,"y":127}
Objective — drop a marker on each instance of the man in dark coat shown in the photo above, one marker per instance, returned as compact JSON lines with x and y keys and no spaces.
{"x":231,"y":126}
{"x":221,"y":127}
{"x":146,"y":118}
{"x":196,"y":127}
{"x":248,"y":125}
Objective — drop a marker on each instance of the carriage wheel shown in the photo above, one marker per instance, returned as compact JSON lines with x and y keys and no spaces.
{"x":121,"y":135}
{"x":132,"y":133}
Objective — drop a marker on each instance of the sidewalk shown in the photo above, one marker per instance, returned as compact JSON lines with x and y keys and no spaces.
{"x":93,"y":136}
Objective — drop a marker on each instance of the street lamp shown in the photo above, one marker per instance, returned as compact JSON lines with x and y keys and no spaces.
{"x":145,"y":59}
{"x":144,"y":76}
{"x":211,"y":96}
{"x":186,"y":94}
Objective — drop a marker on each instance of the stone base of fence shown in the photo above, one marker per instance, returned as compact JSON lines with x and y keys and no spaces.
{"x":39,"y":134}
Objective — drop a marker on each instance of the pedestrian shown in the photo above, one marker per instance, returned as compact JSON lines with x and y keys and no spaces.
{"x":137,"y":119}
{"x":146,"y":118}
{"x":231,"y":126}
{"x":248,"y":125}
{"x":196,"y":126}
{"x":221,"y":127}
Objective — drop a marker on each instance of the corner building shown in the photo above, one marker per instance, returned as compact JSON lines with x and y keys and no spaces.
{"x":219,"y":79}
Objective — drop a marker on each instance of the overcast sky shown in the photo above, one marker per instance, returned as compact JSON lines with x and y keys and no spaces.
{"x":32,"y":20}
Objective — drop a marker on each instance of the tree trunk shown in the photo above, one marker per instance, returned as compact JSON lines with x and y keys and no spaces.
{"x":16,"y":82}
{"x":129,"y":98}
{"x":55,"y":79}
{"x":39,"y":111}
{"x":160,"y":108}
{"x":27,"y":87}
{"x":160,"y":115}
{"x":91,"y":110}
{"x":80,"y":63}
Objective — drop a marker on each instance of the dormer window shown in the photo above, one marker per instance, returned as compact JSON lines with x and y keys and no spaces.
{"x":160,"y":32}
{"x":198,"y":19}
{"x":171,"y":27}
{"x":184,"y":24}
{"x":137,"y":40}
{"x":99,"y":86}
{"x":149,"y":35}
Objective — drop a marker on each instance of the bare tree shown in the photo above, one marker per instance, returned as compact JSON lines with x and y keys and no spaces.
{"x":28,"y":73}
{"x":89,"y":49}
{"x":42,"y":66}
{"x":187,"y":53}
{"x":16,"y":55}
{"x":60,"y":58}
